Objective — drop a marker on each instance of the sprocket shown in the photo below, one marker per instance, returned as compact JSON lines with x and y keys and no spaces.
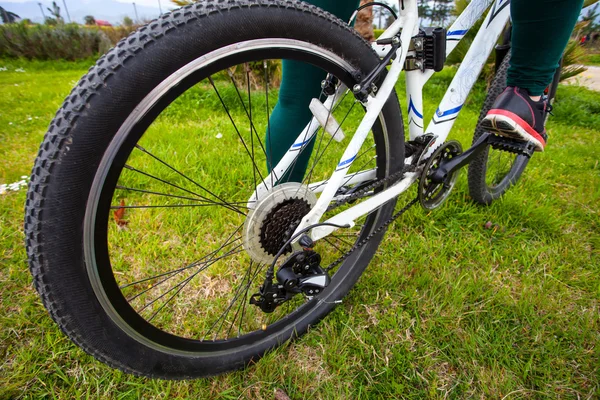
{"x":431,"y":194}
{"x":273,"y":221}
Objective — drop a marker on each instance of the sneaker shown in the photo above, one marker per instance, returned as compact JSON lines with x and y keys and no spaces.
{"x":516,"y":116}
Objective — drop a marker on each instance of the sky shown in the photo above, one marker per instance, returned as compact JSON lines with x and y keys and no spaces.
{"x":149,"y":3}
{"x":111,"y":10}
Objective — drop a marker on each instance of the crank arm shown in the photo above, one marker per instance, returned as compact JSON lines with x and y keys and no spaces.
{"x":449,"y":166}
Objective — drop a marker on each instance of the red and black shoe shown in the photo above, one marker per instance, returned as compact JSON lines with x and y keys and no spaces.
{"x":515,"y":115}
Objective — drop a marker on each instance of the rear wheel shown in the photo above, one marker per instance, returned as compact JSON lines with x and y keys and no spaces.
{"x":142,"y":240}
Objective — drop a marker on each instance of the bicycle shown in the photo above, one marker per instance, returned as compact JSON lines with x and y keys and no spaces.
{"x":123,"y":196}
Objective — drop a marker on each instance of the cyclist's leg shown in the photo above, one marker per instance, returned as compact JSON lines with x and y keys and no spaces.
{"x":300,"y":83}
{"x":541,"y":31}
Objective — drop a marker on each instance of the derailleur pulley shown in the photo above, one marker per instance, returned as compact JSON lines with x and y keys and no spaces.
{"x":300,"y":273}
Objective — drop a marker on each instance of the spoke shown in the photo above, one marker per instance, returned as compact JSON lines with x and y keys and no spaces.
{"x":362,"y":166}
{"x":226,"y":312}
{"x":269,"y":156}
{"x":236,"y":129}
{"x":319,"y":156}
{"x":129,"y":167}
{"x":179,"y":172}
{"x":360,"y":169}
{"x":304,"y":146}
{"x":245,"y":301}
{"x":329,"y":112}
{"x":172,"y":274}
{"x":228,"y":241}
{"x":169,"y":195}
{"x":169,"y":206}
{"x":341,"y":240}
{"x":251,"y":123}
{"x":247,"y":274}
{"x":331,"y":243}
{"x":248,"y":111}
{"x":180,"y":285}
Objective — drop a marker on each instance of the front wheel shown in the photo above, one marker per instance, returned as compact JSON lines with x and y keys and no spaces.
{"x":143,"y":240}
{"x":494,"y":171}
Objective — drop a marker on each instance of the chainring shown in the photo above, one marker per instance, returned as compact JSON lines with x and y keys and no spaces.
{"x":432,"y":195}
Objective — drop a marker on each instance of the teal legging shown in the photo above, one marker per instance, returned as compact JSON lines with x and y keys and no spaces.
{"x":300,"y":83}
{"x":541,"y":30}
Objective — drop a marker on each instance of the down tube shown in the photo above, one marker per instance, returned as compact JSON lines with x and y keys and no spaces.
{"x":467,"y":74}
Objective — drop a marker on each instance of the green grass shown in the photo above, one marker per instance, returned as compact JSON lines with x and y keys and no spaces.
{"x":447,"y":308}
{"x":592,"y":59}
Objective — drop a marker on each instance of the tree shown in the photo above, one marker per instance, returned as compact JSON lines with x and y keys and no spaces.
{"x":441,"y":11}
{"x":590,"y":18}
{"x":424,"y":10}
{"x":128,"y":22}
{"x":89,"y":20}
{"x":390,"y":19}
{"x":55,"y":12}
{"x":364,"y":22}
{"x":8,"y":17}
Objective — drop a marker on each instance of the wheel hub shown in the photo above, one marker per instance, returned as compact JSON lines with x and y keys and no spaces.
{"x":273,"y":222}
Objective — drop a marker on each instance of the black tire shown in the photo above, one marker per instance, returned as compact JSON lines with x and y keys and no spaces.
{"x":486,"y":184}
{"x":68,"y":197}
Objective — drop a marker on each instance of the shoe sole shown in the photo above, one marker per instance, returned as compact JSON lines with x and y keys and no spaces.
{"x":507,"y":124}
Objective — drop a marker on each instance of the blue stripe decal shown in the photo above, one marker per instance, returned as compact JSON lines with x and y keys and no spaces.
{"x":411,"y":106}
{"x":346,"y":162}
{"x":295,"y":146}
{"x":456,"y":33}
{"x":448,"y":112}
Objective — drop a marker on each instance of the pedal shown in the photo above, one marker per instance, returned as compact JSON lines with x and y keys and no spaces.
{"x":326,"y":120}
{"x":507,"y":144}
{"x":430,"y":50}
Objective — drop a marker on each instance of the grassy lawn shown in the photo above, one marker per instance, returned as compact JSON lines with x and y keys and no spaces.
{"x":592,"y":59}
{"x":449,"y":307}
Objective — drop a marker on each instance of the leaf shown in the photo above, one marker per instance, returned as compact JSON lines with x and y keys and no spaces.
{"x":281,"y":395}
{"x":119,"y":213}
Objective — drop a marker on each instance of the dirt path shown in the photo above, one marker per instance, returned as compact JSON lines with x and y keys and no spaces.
{"x":589,"y":79}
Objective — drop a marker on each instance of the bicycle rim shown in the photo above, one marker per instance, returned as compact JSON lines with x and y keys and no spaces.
{"x":163,"y":225}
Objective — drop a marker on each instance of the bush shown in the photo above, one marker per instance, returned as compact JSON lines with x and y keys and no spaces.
{"x":116,"y":33}
{"x":66,"y":42}
{"x":42,"y":42}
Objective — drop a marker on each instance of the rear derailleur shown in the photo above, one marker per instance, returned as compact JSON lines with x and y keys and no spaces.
{"x":300,"y":273}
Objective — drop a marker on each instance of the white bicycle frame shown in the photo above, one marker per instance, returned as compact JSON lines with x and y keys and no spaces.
{"x":440,"y":125}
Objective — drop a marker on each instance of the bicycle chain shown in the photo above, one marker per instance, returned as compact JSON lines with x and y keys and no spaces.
{"x":375,"y":232}
{"x":506,"y":146}
{"x":361,"y":193}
